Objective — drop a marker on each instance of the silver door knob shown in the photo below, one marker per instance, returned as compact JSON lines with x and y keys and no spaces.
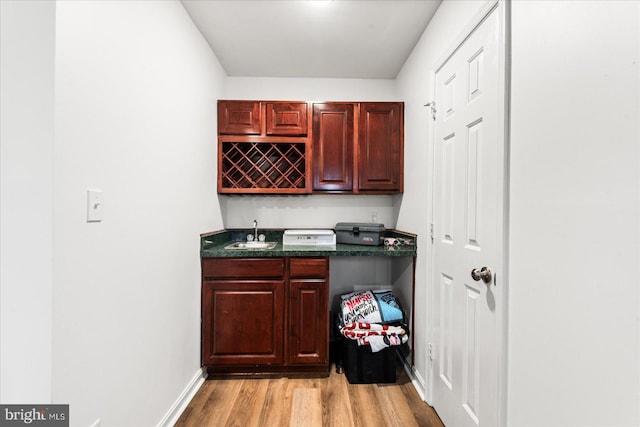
{"x":483,"y":274}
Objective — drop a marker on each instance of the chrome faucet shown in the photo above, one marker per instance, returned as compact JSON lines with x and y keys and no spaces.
{"x":255,"y":230}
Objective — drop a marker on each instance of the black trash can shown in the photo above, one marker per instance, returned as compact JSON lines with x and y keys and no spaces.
{"x":360,"y":364}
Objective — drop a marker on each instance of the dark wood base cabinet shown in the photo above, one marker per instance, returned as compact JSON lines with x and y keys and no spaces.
{"x":265,"y":316}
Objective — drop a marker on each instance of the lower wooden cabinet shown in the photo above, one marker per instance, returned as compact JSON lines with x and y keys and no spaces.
{"x":308,"y":342}
{"x":242,"y":322}
{"x":265,"y":315}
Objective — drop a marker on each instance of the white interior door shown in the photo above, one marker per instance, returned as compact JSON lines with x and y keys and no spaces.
{"x":467,"y":197}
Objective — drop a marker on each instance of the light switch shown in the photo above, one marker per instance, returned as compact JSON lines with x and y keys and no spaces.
{"x":95,"y":206}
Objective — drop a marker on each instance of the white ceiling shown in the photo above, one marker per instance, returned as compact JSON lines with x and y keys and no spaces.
{"x":303,"y":38}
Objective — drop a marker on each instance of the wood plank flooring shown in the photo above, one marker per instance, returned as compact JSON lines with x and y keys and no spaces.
{"x":308,"y":402}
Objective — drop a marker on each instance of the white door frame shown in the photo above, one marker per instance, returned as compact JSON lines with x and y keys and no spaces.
{"x":502,"y":7}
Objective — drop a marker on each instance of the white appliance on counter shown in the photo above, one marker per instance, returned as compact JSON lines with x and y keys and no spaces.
{"x":317,"y":240}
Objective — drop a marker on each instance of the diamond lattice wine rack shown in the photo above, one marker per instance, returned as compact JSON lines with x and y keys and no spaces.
{"x":263,"y":165}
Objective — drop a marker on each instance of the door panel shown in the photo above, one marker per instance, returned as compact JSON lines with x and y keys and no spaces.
{"x":445,"y":343}
{"x":467,"y":198}
{"x":474,"y":187}
{"x":448,"y":175}
{"x":471,"y":356}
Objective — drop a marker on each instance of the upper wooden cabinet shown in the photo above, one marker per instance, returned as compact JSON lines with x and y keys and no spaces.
{"x":291,"y":147}
{"x":286,"y":118}
{"x":239,"y":117}
{"x":380,"y":147}
{"x":333,"y":146}
{"x":358,"y":147}
{"x":280,"y":118}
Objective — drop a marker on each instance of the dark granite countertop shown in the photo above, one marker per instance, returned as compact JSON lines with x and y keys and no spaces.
{"x":212,"y":245}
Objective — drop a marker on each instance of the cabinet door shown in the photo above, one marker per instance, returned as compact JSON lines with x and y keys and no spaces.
{"x":308,"y":311}
{"x":242,"y":322}
{"x":309,"y":322}
{"x":333,"y":146}
{"x":286,"y":118}
{"x":380,"y":151}
{"x":239,"y":117}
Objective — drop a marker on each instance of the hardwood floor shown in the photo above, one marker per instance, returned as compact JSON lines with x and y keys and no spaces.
{"x":307,"y":402}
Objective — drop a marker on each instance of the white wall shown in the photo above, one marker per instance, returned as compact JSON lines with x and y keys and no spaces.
{"x":574,"y":206}
{"x":573,"y":330}
{"x":26,"y":199}
{"x":136,"y":91}
{"x":414,"y":86}
{"x":310,"y":89}
{"x":317,"y":210}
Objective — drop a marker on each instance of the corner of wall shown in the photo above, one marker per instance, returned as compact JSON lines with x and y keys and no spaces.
{"x":26,"y":200}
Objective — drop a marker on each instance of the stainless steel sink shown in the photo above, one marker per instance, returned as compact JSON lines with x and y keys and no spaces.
{"x":251,"y":245}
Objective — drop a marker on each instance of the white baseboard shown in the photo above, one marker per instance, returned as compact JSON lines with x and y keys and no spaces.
{"x":416,"y":380}
{"x":181,"y":403}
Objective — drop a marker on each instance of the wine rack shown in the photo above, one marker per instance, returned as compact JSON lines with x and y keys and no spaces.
{"x":252,"y":167}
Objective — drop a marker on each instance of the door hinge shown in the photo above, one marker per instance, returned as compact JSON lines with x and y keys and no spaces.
{"x":431,"y":233}
{"x":432,"y":107}
{"x":430,"y":352}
